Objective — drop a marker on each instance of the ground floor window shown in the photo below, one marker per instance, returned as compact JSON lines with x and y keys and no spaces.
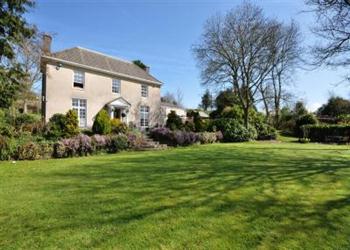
{"x":144,"y":116}
{"x":79,"y":105}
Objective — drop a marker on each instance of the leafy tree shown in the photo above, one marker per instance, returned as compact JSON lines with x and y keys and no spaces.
{"x":304,"y":120}
{"x":174,"y":121}
{"x":13,"y":30}
{"x":300,"y":109}
{"x":207,"y":100}
{"x":334,"y":107}
{"x":226,"y":98}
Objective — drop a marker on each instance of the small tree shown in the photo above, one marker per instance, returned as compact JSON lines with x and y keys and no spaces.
{"x":102,"y":124}
{"x":207,"y":100}
{"x":174,"y":121}
{"x":71,"y":123}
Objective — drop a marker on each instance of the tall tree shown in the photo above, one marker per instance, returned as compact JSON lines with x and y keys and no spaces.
{"x":286,"y":53}
{"x":334,"y":107}
{"x":333,"y":27}
{"x":28,"y":54}
{"x":207,"y":100}
{"x":13,"y":30}
{"x":235,"y":50}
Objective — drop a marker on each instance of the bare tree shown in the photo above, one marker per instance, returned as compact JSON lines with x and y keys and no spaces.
{"x":28,"y":54}
{"x":287,"y":53}
{"x":235,"y":49}
{"x":333,"y":26}
{"x":176,"y":99}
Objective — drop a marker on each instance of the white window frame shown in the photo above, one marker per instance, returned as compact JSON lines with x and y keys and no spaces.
{"x":116,"y":83}
{"x":144,"y":90}
{"x":144,"y":116}
{"x":80,"y":106}
{"x":79,"y":78}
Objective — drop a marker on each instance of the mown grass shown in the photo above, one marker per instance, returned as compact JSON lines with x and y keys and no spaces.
{"x":224,"y":196}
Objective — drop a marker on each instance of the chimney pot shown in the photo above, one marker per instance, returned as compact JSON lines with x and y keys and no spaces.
{"x":47,"y":39}
{"x":147,"y":69}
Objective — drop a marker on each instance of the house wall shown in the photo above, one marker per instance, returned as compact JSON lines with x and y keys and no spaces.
{"x":98,"y":92}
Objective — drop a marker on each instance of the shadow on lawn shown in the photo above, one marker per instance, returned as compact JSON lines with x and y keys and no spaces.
{"x":249,"y":181}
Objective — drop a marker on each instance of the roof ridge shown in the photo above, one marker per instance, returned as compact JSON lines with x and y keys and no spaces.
{"x":103,"y":54}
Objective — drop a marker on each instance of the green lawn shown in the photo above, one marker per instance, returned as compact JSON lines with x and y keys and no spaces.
{"x":236,"y":196}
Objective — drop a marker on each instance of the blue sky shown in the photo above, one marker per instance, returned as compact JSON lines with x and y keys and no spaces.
{"x":161,"y":33}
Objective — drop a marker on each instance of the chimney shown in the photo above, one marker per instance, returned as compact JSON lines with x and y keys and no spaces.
{"x":47,"y":39}
{"x":147,"y":68}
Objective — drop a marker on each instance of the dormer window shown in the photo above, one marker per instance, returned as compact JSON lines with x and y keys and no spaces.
{"x":79,"y":79}
{"x":144,"y":90}
{"x":115,"y":86}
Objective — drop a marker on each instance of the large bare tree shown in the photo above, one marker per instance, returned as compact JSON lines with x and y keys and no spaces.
{"x":28,"y":54}
{"x":235,"y":49}
{"x":333,"y":26}
{"x":287,"y":53}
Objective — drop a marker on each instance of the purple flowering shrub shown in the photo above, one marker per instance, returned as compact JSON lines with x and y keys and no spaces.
{"x":99,"y":142}
{"x":136,"y":140}
{"x":174,"y":138}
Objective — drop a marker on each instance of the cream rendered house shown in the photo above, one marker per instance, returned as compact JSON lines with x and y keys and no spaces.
{"x":88,"y":81}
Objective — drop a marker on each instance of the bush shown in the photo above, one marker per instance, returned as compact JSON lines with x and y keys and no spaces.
{"x":189,"y":126}
{"x":71,"y":126}
{"x":117,"y":143}
{"x":173,"y":121}
{"x":85,"y":145}
{"x":174,"y":138}
{"x":304,"y":120}
{"x":233,"y":131}
{"x":266,"y":132}
{"x":208,"y":137}
{"x":199,"y":124}
{"x":62,"y":126}
{"x":219,"y":136}
{"x":28,"y":151}
{"x":7,"y":148}
{"x":118,"y":127}
{"x":80,"y":145}
{"x":102,"y":124}
{"x":135,"y":139}
{"x":7,"y":130}
{"x":326,"y":133}
{"x":24,"y":119}
{"x":343,"y":119}
{"x":56,"y":126}
{"x":234,"y":112}
{"x":99,"y":142}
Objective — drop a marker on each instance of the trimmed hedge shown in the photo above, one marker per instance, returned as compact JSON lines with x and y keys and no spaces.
{"x":326,"y":133}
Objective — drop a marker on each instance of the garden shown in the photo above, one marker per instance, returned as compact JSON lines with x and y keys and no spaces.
{"x":268,"y":195}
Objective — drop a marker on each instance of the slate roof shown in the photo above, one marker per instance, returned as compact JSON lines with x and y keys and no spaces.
{"x":104,"y":62}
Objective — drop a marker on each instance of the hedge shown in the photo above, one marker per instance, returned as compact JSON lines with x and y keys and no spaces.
{"x":326,"y":133}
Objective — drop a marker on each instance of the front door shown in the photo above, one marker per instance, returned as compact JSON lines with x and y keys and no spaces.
{"x":117,"y":113}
